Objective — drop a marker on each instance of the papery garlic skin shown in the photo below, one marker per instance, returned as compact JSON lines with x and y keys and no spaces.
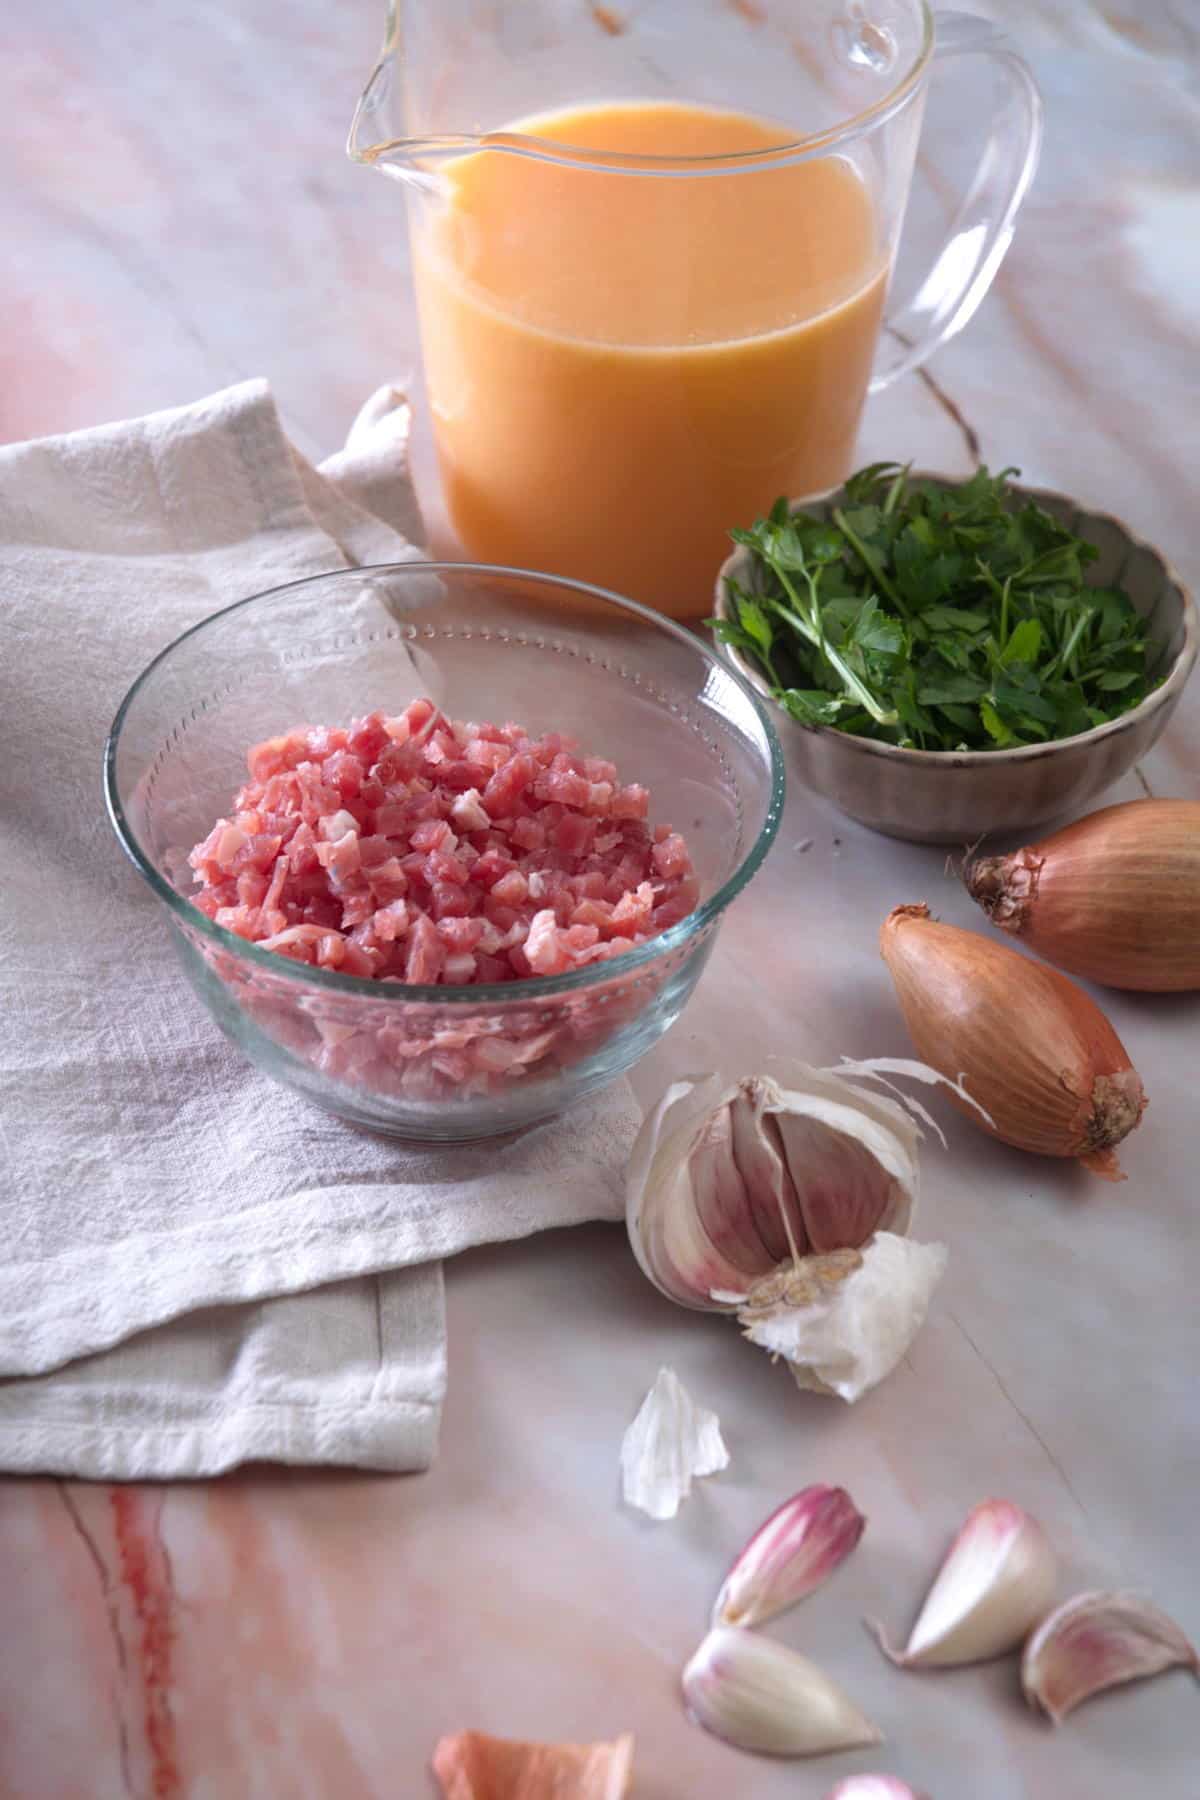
{"x":1096,"y":1641}
{"x":759,"y":1695}
{"x":1032,"y":1048}
{"x":874,"y":1787}
{"x":996,"y":1582}
{"x":728,"y":1180}
{"x":1114,"y":897}
{"x":659,"y":1234}
{"x":789,"y":1556}
{"x":670,"y":1443}
{"x":471,"y":1764}
{"x":843,"y":1321}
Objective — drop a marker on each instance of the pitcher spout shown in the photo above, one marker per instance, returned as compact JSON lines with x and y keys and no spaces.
{"x":372,"y":140}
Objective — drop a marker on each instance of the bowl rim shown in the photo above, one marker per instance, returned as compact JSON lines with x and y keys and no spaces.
{"x":1166,"y":692}
{"x":528,"y":990}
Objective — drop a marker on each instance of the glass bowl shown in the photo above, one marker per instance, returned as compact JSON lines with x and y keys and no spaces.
{"x":444,"y":1062}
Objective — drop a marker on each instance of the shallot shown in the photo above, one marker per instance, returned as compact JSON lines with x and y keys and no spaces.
{"x":1035,"y":1053}
{"x":1114,"y":897}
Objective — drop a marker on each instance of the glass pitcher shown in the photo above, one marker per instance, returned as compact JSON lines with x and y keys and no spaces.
{"x":652,"y":242}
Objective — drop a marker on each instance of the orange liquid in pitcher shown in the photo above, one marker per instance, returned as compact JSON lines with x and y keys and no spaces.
{"x":621,"y":368}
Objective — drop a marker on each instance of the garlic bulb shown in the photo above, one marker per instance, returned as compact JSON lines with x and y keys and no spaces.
{"x":995,"y":1584}
{"x":784,"y":1198}
{"x":669,"y":1444}
{"x":728,"y":1180}
{"x":759,"y":1695}
{"x":1114,"y":897}
{"x":1028,"y":1045}
{"x":1098,"y":1641}
{"x":789,"y":1556}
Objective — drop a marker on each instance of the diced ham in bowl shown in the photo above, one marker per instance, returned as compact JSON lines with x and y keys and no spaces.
{"x":420,"y":850}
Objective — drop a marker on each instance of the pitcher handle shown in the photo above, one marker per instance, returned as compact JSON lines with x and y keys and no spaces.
{"x":982,"y":228}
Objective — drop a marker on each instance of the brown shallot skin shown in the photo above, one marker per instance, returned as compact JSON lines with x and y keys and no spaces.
{"x":1032,"y":1049}
{"x":1115,"y":897}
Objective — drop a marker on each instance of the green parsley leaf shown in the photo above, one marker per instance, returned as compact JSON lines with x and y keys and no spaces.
{"x":951,"y":690}
{"x":1024,"y":644}
{"x":754,"y":622}
{"x":995,"y":726}
{"x":949,"y":618}
{"x":812,"y":708}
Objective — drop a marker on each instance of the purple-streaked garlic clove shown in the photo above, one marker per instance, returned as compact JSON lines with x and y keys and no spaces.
{"x":789,"y":1556}
{"x":758,"y":1695}
{"x":996,"y":1582}
{"x":1096,"y":1641}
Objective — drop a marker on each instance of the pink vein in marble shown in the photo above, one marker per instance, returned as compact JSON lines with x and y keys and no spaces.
{"x":145,"y":1575}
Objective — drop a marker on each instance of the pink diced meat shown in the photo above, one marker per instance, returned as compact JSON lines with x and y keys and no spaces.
{"x":426,"y":954}
{"x":544,"y":949}
{"x":670,"y":857}
{"x":631,"y":802}
{"x":420,"y":850}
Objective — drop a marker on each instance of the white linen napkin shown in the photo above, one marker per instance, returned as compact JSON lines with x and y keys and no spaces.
{"x":197,"y":1268}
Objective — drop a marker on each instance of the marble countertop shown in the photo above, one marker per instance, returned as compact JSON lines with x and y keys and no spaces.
{"x":177,"y":215}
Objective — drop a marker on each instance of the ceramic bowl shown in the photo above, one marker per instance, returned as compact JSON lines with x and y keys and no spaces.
{"x":947,"y":797}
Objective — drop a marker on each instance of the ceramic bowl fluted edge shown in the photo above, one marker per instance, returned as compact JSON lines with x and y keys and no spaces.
{"x":946,"y":797}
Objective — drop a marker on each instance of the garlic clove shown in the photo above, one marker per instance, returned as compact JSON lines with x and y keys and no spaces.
{"x":874,"y":1787}
{"x":1097,"y":1641}
{"x":996,"y":1582}
{"x":737,"y":1177}
{"x":852,"y":1155}
{"x":677,"y":1229}
{"x":759,"y":1695}
{"x":770,"y":1189}
{"x":1047,"y":1070}
{"x":790,"y":1555}
{"x":844,"y":1320}
{"x":849,"y":1201}
{"x":669,"y":1444}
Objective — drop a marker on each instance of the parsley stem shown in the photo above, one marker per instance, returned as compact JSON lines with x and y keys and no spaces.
{"x":896,"y":490}
{"x":816,"y":637}
{"x":1066,"y":656}
{"x":869,"y":561}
